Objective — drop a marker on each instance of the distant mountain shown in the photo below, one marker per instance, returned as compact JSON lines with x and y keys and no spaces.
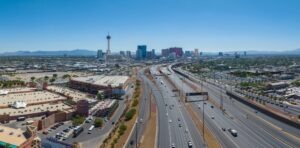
{"x":255,"y":52}
{"x":76,"y":52}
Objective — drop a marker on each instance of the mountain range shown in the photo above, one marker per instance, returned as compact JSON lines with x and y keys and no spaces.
{"x":76,"y":52}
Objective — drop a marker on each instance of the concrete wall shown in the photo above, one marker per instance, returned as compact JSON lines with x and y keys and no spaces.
{"x":263,"y":110}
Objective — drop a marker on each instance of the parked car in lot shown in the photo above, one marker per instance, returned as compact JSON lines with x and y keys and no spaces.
{"x":45,"y":132}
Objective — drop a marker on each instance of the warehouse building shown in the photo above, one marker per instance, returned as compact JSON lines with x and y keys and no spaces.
{"x":93,"y":84}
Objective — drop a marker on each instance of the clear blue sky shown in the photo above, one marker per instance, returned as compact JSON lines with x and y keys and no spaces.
{"x":210,"y":25}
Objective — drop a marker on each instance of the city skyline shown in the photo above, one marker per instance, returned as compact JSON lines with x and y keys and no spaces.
{"x":207,"y":26}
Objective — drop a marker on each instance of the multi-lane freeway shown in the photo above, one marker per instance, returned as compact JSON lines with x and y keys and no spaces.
{"x":254,"y":129}
{"x":176,"y":127}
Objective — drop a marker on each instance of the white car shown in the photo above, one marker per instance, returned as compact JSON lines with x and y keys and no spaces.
{"x":170,"y":121}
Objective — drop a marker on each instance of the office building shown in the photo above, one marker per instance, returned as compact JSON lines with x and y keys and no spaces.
{"x":82,"y":108}
{"x":128,"y":54}
{"x":196,"y":52}
{"x":141,"y":52}
{"x":100,"y":54}
{"x":153,"y":53}
{"x":187,"y":53}
{"x":167,"y":52}
{"x":122,"y":53}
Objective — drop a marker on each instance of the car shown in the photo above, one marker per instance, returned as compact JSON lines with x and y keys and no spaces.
{"x":212,"y":106}
{"x":233,"y":132}
{"x":186,"y":130}
{"x":212,"y":117}
{"x":179,"y":125}
{"x":199,"y":107}
{"x":45,"y":132}
{"x":170,"y":121}
{"x":178,"y":119}
{"x":66,"y":130}
{"x":223,"y":129}
{"x":190,"y":145}
{"x":204,"y":103}
{"x":173,"y":145}
{"x":131,"y":142}
{"x":166,"y":104}
{"x":113,"y":123}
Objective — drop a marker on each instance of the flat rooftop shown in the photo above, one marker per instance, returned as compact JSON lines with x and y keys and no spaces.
{"x":29,"y":97}
{"x":102,"y":80}
{"x":20,"y":89}
{"x":34,"y":109}
{"x":12,"y":136}
{"x":75,"y":94}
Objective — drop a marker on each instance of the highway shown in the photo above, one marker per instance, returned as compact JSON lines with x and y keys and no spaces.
{"x":253,"y":130}
{"x":175,"y":124}
{"x":143,"y":114}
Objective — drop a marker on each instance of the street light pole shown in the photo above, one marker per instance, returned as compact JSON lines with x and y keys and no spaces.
{"x":203,"y":121}
{"x":136,"y":134}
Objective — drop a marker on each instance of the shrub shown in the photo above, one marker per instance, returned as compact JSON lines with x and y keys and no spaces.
{"x":135,"y":102}
{"x":130,"y":114}
{"x":98,"y":122}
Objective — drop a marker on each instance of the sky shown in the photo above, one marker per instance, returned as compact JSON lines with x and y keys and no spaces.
{"x":209,"y":25}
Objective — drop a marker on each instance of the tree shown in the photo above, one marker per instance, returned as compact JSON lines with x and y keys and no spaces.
{"x":100,"y":96}
{"x":77,"y":120}
{"x":46,"y":78}
{"x":54,"y":75}
{"x":7,"y":145}
{"x":130,"y":114}
{"x":32,"y":79}
{"x":98,"y":122}
{"x":52,"y":80}
{"x":66,"y":76}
